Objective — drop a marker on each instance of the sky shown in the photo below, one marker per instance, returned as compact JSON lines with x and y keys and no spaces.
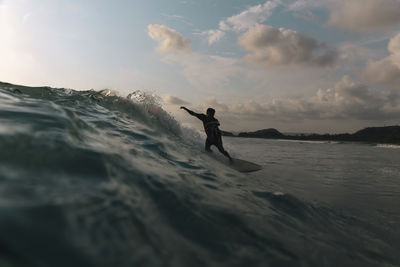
{"x":324,"y":66}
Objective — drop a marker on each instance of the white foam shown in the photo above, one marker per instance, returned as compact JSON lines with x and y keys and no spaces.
{"x":387,"y":146}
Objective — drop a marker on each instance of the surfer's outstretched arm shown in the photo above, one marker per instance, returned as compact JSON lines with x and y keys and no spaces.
{"x":199,"y":116}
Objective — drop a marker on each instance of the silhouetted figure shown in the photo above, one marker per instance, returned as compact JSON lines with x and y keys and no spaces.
{"x":211,"y":124}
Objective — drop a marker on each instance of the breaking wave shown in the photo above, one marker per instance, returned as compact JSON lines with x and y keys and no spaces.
{"x":89,"y":178}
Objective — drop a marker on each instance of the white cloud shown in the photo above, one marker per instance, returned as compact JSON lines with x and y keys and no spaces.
{"x":169,"y":39}
{"x":351,"y":100}
{"x":305,"y":4}
{"x":251,"y":16}
{"x":303,"y":9}
{"x":272,"y":46}
{"x":232,"y":79}
{"x":386,"y":70}
{"x":364,"y":15}
{"x":213,"y":35}
{"x":242,"y":21}
{"x":348,"y":99}
{"x":394,"y":46}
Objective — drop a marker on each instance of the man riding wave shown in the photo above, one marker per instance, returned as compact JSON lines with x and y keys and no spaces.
{"x":210,"y":124}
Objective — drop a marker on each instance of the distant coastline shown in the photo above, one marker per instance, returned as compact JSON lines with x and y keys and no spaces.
{"x":379,"y":135}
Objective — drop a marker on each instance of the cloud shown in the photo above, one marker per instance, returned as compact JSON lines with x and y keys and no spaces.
{"x":351,"y":52}
{"x":303,"y":9}
{"x":305,"y":4}
{"x":364,"y":15}
{"x":213,"y":35}
{"x":214,"y":103}
{"x":169,"y":39}
{"x":346,"y":100}
{"x":272,"y":46}
{"x":344,"y":106}
{"x":351,"y":100}
{"x":242,"y":21}
{"x":249,"y":17}
{"x":173,"y":100}
{"x":386,"y":70}
{"x":383,"y":71}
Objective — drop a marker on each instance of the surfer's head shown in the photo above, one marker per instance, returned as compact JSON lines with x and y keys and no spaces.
{"x":210,"y":112}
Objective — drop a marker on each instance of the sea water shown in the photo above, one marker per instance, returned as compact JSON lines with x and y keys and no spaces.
{"x":93,"y":179}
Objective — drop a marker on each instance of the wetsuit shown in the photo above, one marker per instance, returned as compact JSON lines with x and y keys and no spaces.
{"x":213,"y":132}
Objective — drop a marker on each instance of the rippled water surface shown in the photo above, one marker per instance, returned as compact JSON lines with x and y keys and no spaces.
{"x":92,"y":179}
{"x":363,"y":179}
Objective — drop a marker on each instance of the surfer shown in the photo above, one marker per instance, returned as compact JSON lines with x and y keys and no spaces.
{"x":211,"y":124}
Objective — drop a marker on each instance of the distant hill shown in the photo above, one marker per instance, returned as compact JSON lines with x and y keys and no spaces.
{"x":387,"y":134}
{"x":225,"y":133}
{"x":265,"y":133}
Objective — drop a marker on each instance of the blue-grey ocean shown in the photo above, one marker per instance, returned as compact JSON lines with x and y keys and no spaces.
{"x":88,"y":178}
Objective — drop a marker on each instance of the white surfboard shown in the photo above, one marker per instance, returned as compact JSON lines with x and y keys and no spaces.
{"x":244,"y":166}
{"x":239,"y":165}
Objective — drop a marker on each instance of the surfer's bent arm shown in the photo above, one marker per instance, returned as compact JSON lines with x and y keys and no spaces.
{"x":192,"y":112}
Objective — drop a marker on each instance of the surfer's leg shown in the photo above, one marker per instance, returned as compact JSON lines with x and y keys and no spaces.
{"x":208,"y":145}
{"x":223,"y":151}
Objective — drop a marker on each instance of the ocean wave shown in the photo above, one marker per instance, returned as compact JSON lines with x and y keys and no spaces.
{"x":90,"y":178}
